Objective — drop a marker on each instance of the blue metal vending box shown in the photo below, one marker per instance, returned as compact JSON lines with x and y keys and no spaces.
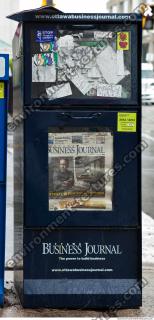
{"x":77,"y":159}
{"x":4,"y":77}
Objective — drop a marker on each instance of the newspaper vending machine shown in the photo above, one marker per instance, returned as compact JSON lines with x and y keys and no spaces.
{"x":78,"y":217}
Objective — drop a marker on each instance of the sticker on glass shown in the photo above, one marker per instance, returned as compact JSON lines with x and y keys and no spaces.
{"x":98,"y":35}
{"x":123,"y":41}
{"x":108,"y":57}
{"x":127,"y":122}
{"x":59,"y":91}
{"x":45,"y":36}
{"x":43,"y":59}
{"x":43,"y":68}
{"x":49,"y":46}
{"x":109,"y":90}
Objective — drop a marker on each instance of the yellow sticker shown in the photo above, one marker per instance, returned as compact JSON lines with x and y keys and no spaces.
{"x":126,"y":122}
{"x":1,"y":90}
{"x":122,"y":40}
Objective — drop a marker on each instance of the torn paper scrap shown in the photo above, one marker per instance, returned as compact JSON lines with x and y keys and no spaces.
{"x":70,"y":62}
{"x":59,"y":91}
{"x":120,"y":63}
{"x":41,"y":74}
{"x":81,"y":83}
{"x":94,"y":73}
{"x":107,"y":63}
{"x":107,"y":90}
{"x":102,"y":34}
{"x":66,"y":43}
{"x":44,"y":74}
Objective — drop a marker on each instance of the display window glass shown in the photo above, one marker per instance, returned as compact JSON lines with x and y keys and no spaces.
{"x":81,"y":63}
{"x":79,"y":162}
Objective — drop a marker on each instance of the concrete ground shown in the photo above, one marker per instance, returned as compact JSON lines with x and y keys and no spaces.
{"x":12,"y":306}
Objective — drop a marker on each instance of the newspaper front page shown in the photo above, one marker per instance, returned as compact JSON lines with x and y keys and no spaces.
{"x":78,"y":165}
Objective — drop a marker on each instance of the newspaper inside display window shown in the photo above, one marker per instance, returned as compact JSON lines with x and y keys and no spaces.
{"x":80,"y":164}
{"x":81,"y":64}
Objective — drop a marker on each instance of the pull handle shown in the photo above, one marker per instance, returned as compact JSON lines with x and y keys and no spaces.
{"x":83,"y":26}
{"x":65,"y":115}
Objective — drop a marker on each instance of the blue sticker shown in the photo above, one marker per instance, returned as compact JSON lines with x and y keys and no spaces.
{"x":45,"y":36}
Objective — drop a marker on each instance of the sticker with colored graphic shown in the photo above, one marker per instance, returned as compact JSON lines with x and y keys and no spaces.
{"x":43,"y":59}
{"x":46,"y":47}
{"x":45,"y":36}
{"x":123,"y":41}
{"x":49,"y":47}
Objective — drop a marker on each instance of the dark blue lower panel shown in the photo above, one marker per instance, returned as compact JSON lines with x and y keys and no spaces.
{"x":82,"y":268}
{"x":82,"y":254}
{"x":110,"y":302}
